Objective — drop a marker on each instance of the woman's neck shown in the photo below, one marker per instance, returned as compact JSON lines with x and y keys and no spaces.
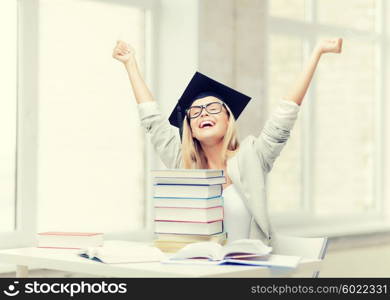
{"x":213,"y":155}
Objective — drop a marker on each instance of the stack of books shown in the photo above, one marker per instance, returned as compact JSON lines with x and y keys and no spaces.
{"x":188,"y":207}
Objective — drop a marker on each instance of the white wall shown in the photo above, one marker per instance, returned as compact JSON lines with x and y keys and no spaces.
{"x":177,"y":49}
{"x":232,"y":50}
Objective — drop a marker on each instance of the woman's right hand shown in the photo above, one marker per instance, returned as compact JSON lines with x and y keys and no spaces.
{"x":123,"y":52}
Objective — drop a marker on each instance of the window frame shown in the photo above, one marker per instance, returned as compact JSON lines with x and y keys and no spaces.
{"x":26,"y":147}
{"x":376,"y":220}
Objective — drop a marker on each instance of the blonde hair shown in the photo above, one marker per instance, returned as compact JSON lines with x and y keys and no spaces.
{"x":193,"y":156}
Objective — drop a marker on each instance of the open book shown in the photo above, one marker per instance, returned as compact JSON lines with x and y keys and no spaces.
{"x":121,"y":252}
{"x":244,"y":252}
{"x":214,"y":251}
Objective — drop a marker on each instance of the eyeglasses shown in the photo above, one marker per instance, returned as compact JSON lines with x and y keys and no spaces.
{"x":212,"y":108}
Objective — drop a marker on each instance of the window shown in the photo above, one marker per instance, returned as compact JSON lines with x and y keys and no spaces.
{"x":333,"y":162}
{"x":286,"y":196}
{"x":344,"y":118}
{"x":82,"y":157}
{"x":8,"y":113}
{"x":91,"y":146}
{"x":294,"y":10}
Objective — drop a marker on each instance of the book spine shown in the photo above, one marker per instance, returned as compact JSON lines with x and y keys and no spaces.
{"x":86,"y":234}
{"x":189,"y":178}
{"x":214,"y":207}
{"x":183,"y":207}
{"x":156,"y":197}
{"x":178,"y":233}
{"x":198,"y":222}
{"x":191,"y":184}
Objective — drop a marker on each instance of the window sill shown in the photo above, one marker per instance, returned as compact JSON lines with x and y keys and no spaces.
{"x":338,"y":230}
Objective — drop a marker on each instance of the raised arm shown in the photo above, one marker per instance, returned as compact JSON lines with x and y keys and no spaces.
{"x":277,"y":128}
{"x":126,"y":54}
{"x":164,"y":137}
{"x":299,"y":89}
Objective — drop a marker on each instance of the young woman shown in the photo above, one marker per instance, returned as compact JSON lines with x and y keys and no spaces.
{"x":209,"y":141}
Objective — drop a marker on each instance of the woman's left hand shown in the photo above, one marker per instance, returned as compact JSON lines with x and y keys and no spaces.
{"x":330,"y":45}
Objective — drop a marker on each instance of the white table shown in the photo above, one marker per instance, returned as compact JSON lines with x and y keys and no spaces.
{"x":67,"y":260}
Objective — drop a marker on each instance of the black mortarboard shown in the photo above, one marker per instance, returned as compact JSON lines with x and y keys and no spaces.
{"x":201,"y":86}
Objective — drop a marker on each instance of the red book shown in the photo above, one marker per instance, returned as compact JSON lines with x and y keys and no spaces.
{"x":69,"y":240}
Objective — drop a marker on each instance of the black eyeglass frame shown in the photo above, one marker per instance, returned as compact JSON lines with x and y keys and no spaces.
{"x":204,"y":106}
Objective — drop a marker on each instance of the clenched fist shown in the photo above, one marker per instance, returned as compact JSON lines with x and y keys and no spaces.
{"x":330,"y":45}
{"x":123,"y":51}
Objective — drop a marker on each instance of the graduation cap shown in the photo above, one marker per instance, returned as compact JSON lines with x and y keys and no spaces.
{"x":202,"y":86}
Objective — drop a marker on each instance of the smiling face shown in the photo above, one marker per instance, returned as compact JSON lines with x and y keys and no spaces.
{"x":209,"y":128}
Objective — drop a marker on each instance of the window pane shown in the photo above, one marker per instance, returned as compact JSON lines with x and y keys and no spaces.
{"x":8,"y":96}
{"x":344,"y":130}
{"x":90,"y":141}
{"x":290,"y":9}
{"x":284,"y":181}
{"x":361,"y":13}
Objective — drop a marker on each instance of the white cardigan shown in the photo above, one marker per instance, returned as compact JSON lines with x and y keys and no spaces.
{"x":247,"y":168}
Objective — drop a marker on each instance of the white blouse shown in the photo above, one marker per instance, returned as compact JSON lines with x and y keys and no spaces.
{"x":236,"y":215}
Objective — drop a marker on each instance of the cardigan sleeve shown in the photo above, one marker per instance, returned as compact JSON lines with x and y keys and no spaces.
{"x":164,"y":137}
{"x":276,"y":132}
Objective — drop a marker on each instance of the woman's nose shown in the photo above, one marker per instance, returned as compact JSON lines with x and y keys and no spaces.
{"x":204,"y":112}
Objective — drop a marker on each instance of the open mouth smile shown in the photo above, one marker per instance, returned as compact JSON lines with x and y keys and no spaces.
{"x":206,"y":124}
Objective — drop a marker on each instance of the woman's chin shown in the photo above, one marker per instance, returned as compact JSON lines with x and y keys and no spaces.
{"x":209,"y":136}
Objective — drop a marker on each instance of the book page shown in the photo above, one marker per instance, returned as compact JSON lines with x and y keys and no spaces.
{"x":272,"y":260}
{"x":208,"y":250}
{"x":124,"y":252}
{"x":246,"y":246}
